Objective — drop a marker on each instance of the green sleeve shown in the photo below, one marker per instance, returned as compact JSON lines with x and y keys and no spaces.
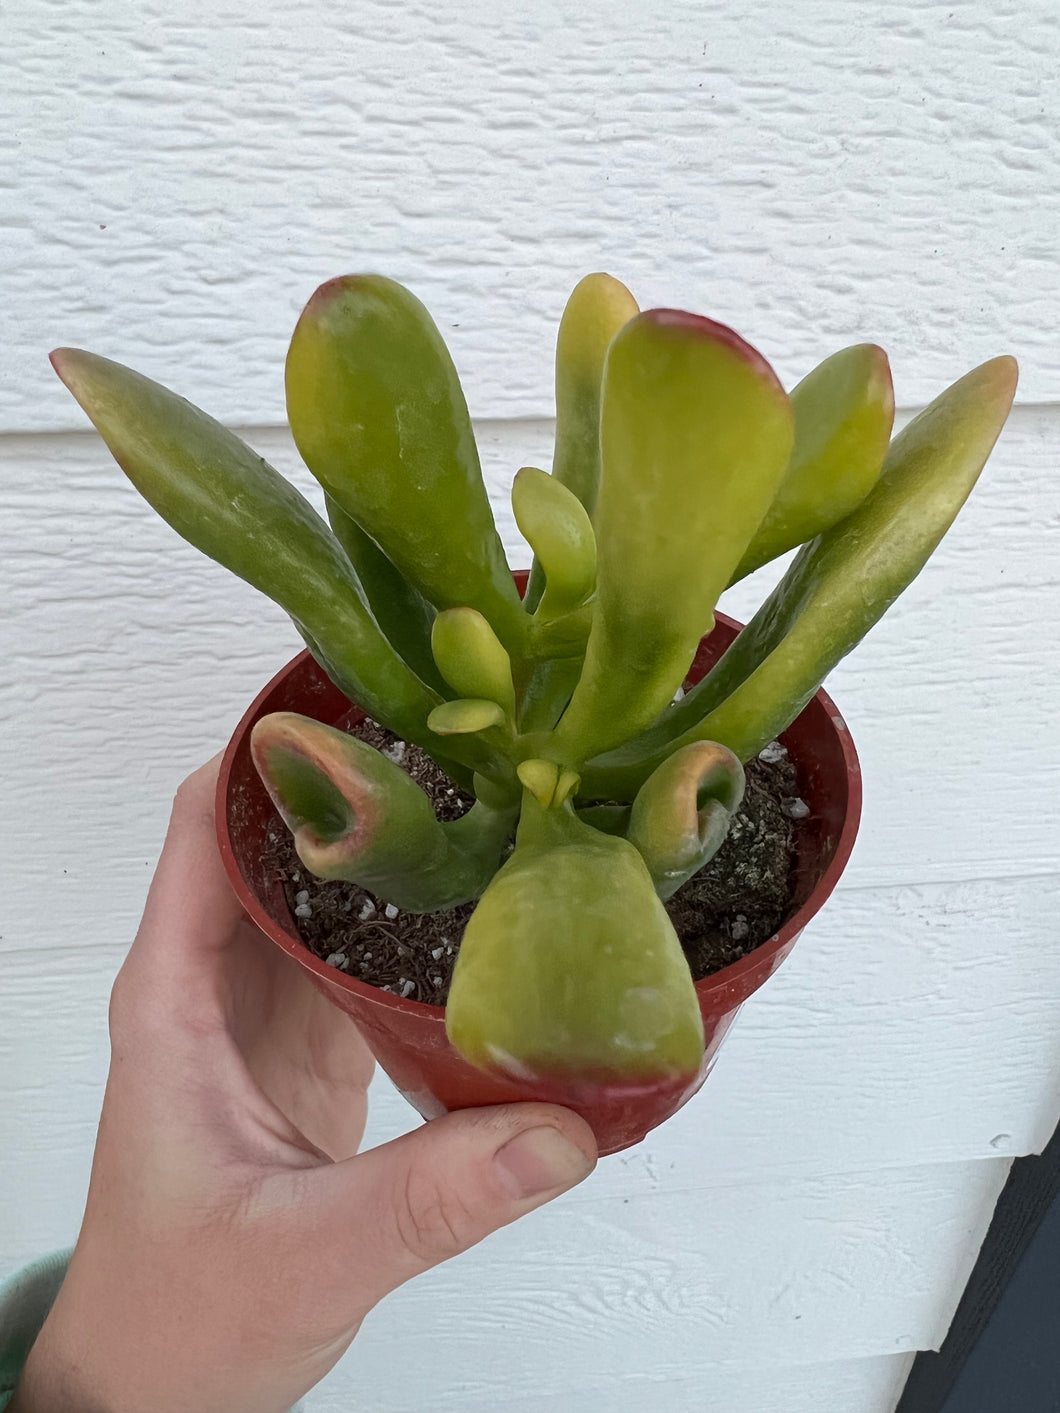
{"x":25,"y":1300}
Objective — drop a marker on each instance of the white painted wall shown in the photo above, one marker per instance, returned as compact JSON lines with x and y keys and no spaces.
{"x":176,"y":180}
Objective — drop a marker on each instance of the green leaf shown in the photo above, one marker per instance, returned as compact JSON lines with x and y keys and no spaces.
{"x":471,"y":657}
{"x":399,"y":608}
{"x":681,"y":814}
{"x":465,"y":716}
{"x":549,"y":784}
{"x":598,"y":307}
{"x":696,"y":432}
{"x":559,"y":531}
{"x":378,"y":415}
{"x":356,"y":815}
{"x":844,"y":411}
{"x":837,"y":587}
{"x":548,"y":691}
{"x":570,"y":967}
{"x":230,"y":504}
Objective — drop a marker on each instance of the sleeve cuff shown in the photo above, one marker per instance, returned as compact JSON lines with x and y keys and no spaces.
{"x":25,"y":1299}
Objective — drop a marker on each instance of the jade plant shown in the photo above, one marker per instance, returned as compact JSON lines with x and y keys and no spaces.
{"x":681,"y":465}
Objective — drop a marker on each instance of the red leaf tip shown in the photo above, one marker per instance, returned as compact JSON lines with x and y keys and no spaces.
{"x":702,"y":327}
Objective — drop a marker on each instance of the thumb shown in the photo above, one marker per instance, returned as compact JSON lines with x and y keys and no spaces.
{"x":433,"y":1193}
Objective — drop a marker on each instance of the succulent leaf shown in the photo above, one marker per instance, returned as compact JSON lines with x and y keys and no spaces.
{"x":561,"y":639}
{"x":540,"y":777}
{"x":696,"y":432}
{"x":837,"y":587}
{"x":399,"y":608}
{"x":680,"y":467}
{"x":547,"y":692}
{"x":681,"y":814}
{"x":551,"y":785}
{"x":559,"y":531}
{"x":230,"y":504}
{"x":570,"y":968}
{"x":598,"y":307}
{"x":844,"y":411}
{"x":379,"y":417}
{"x":356,"y":815}
{"x":472,"y":658}
{"x":465,"y":716}
{"x":608,"y":818}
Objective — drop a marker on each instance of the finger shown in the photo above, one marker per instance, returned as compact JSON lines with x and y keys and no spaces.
{"x":307,"y":1057}
{"x":413,"y":1203}
{"x":191,"y":910}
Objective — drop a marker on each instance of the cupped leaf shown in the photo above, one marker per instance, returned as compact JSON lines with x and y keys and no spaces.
{"x":472,"y":658}
{"x":549,"y":783}
{"x":399,"y":608}
{"x":559,"y":531}
{"x":696,"y":432}
{"x":837,"y":587}
{"x":682,"y":812}
{"x":844,"y":411}
{"x":356,"y":815}
{"x":379,"y":417}
{"x":570,"y":968}
{"x":230,"y":504}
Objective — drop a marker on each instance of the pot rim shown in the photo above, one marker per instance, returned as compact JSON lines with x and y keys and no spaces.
{"x":733,"y":976}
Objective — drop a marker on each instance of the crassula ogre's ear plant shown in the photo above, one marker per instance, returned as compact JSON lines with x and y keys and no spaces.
{"x":680,"y":466}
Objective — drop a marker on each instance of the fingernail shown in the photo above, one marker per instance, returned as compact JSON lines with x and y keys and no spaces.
{"x":541,"y":1160}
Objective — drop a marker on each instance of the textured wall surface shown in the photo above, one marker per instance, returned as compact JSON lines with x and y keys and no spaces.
{"x":175,"y":181}
{"x":181,"y":177}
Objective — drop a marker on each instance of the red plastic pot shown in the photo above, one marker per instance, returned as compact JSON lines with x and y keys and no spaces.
{"x":408,"y":1038}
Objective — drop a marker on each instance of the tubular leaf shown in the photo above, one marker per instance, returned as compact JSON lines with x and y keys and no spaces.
{"x":696,"y":432}
{"x":844,"y":411}
{"x":356,"y":815}
{"x":379,"y":417}
{"x":598,"y":307}
{"x":230,"y":504}
{"x":837,"y":587}
{"x":399,"y":608}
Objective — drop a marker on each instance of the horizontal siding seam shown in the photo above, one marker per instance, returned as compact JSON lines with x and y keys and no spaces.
{"x":492,"y":423}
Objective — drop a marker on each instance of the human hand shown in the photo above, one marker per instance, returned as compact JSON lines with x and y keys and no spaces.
{"x":232,"y":1241}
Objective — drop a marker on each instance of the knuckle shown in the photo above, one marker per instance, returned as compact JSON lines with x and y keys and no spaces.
{"x":432,"y":1222}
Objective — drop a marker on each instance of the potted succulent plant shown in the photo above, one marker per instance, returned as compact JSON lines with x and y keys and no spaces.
{"x":597,"y":726}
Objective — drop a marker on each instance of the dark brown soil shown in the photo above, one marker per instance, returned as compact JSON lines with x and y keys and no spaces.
{"x":735,"y":903}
